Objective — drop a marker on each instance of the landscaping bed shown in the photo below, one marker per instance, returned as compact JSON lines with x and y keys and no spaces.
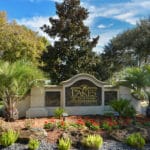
{"x":49,"y":130}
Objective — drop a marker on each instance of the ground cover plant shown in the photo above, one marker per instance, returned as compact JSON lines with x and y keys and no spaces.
{"x":9,"y":137}
{"x":136,"y":140}
{"x":33,"y":144}
{"x":92,"y":142}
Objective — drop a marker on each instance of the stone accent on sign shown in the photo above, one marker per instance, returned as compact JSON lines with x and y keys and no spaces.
{"x":83,"y":93}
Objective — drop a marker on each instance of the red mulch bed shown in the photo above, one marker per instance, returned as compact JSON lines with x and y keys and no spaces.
{"x":54,"y":135}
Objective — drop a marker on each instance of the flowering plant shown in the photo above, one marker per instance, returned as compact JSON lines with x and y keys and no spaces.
{"x":92,"y":125}
{"x":110,"y":124}
{"x":62,"y":125}
{"x":49,"y":125}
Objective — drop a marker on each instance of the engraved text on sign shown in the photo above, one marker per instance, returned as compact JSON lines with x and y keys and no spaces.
{"x":83,"y":93}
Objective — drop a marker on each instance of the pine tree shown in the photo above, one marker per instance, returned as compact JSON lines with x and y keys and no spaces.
{"x":72,"y":52}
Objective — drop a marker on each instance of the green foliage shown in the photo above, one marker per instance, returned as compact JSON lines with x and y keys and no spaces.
{"x":58,"y":112}
{"x":124,"y":51}
{"x":106,"y":126}
{"x":135,"y":140}
{"x":64,"y":144}
{"x":137,"y":79}
{"x":62,"y":125}
{"x":123,"y":107}
{"x":33,"y":144}
{"x":18,"y":42}
{"x":9,"y":137}
{"x":16,"y":80}
{"x":92,"y":126}
{"x":72,"y":53}
{"x":146,"y":124}
{"x":93,"y":141}
{"x":49,"y":126}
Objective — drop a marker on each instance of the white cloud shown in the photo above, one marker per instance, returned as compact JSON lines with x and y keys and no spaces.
{"x":128,"y":17}
{"x":59,"y":1}
{"x":101,"y":26}
{"x":35,"y":23}
{"x":124,"y":11}
{"x":104,"y":39}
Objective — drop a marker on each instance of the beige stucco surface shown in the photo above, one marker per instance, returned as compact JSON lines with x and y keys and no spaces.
{"x":34,"y":106}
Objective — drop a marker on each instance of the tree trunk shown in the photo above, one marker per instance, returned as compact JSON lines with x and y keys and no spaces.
{"x":11,"y":112}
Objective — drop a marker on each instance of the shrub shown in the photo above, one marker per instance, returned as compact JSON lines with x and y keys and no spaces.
{"x":123,"y":107}
{"x":33,"y":144}
{"x":146,"y":124}
{"x":93,"y":141}
{"x":64,"y":144}
{"x":58,"y":112}
{"x":9,"y":137}
{"x":135,"y":140}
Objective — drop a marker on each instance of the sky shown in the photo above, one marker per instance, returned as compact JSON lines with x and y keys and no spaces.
{"x":107,"y":18}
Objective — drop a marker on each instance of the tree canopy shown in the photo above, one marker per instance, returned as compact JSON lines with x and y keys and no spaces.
{"x":18,"y":42}
{"x":72,"y":50}
{"x":130,"y":48}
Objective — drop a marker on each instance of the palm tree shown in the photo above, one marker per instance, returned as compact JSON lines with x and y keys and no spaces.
{"x":135,"y":79}
{"x":16,"y":80}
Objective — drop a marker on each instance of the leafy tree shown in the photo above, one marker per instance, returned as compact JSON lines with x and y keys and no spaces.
{"x":72,"y":50}
{"x":16,"y":80}
{"x":130,"y":48}
{"x":17,"y":42}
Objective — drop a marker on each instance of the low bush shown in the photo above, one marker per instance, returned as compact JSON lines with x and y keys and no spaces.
{"x":58,"y":112}
{"x":123,"y":107}
{"x":64,"y":144}
{"x":9,"y":137}
{"x":92,"y":141}
{"x":135,"y":140}
{"x":33,"y":144}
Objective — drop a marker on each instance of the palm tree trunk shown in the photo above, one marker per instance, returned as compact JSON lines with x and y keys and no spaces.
{"x":11,"y":112}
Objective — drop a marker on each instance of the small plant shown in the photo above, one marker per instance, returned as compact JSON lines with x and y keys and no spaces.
{"x":59,"y":112}
{"x":93,"y":141}
{"x":62,"y":125}
{"x":106,"y":126}
{"x":49,"y":125}
{"x":92,"y":125}
{"x":9,"y":137}
{"x":64,"y":144}
{"x":135,"y":140}
{"x":33,"y":144}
